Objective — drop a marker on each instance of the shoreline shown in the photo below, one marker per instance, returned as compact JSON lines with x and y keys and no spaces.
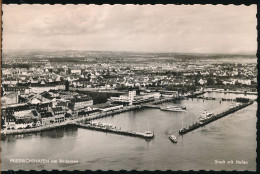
{"x":82,"y":119}
{"x":73,"y":122}
{"x":235,"y":92}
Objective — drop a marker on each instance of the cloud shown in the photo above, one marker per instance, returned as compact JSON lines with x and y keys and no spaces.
{"x":164,"y":28}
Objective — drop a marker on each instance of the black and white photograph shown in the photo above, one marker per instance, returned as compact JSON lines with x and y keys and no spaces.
{"x":129,"y":87}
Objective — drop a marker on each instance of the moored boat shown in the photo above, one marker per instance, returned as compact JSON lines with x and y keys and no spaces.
{"x":174,"y":108}
{"x":205,"y":116}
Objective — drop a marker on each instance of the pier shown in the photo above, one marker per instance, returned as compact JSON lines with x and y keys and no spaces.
{"x":146,"y":135}
{"x":206,"y":98}
{"x":36,"y":129}
{"x":237,"y":92}
{"x":213,"y":98}
{"x":151,"y":106}
{"x":213,"y":118}
{"x":228,"y":99}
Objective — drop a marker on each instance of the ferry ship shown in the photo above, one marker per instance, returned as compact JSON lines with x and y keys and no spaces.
{"x":205,"y":116}
{"x":173,"y":138}
{"x":173,"y":109}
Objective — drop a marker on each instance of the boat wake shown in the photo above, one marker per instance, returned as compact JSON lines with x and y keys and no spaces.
{"x":169,"y":132}
{"x":166,"y":132}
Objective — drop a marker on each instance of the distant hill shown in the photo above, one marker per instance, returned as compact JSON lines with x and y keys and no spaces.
{"x":57,"y":54}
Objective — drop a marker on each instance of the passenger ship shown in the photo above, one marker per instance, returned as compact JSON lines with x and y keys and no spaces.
{"x":205,"y":116}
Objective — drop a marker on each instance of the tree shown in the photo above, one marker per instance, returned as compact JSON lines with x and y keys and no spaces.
{"x":2,"y":122}
{"x":67,"y":85}
{"x":196,"y":81}
{"x":219,"y":82}
{"x":210,"y":81}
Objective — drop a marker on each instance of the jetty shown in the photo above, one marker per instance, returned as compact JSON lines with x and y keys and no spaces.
{"x":228,"y":99}
{"x":206,"y":98}
{"x":238,"y":92}
{"x":213,"y":98}
{"x":109,"y":129}
{"x":213,"y":118}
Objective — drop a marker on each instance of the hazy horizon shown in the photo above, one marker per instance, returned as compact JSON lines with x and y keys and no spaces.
{"x":181,"y":53}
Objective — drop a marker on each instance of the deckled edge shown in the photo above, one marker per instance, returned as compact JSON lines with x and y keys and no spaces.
{"x":258,"y":87}
{"x":141,"y":2}
{"x":1,"y":38}
{"x":145,"y":2}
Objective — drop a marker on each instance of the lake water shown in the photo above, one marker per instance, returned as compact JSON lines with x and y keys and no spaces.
{"x":230,"y":138}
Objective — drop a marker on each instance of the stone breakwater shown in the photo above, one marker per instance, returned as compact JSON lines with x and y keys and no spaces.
{"x":146,"y":135}
{"x":213,"y":118}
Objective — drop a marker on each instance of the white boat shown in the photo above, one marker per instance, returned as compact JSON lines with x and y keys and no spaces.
{"x":205,"y":116}
{"x":174,"y":108}
{"x":173,"y":138}
{"x":233,"y":104}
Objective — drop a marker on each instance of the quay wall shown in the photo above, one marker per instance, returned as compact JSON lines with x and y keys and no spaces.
{"x":213,"y":98}
{"x":195,"y":94}
{"x":36,"y":129}
{"x":80,"y":119}
{"x":236,"y":92}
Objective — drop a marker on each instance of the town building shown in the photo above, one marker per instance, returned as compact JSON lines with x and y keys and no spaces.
{"x":133,"y":99}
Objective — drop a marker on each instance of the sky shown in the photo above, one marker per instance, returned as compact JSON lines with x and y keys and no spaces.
{"x":146,"y":28}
